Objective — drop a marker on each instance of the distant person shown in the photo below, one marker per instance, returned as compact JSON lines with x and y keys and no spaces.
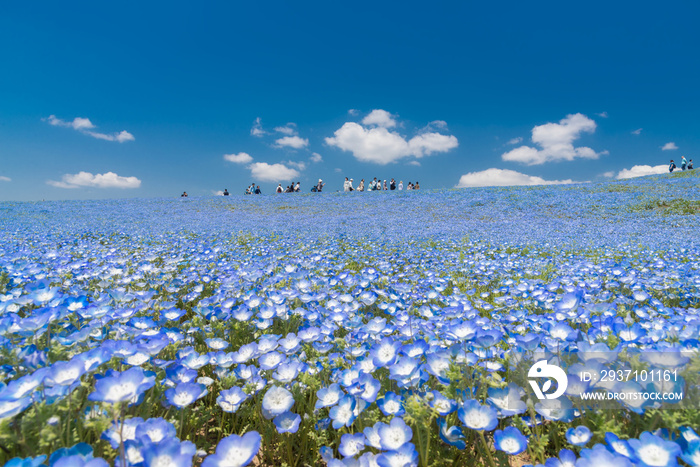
{"x":690,"y":164}
{"x":345,"y":184}
{"x":410,"y":186}
{"x":392,"y":185}
{"x":361,"y":185}
{"x":247,"y":191}
{"x":183,"y":195}
{"x":684,"y":163}
{"x":384,"y":185}
{"x":372,"y":185}
{"x":320,"y":185}
{"x":416,"y":186}
{"x":279,"y":188}
{"x":671,"y":166}
{"x":400,"y":185}
{"x":225,"y":191}
{"x":350,"y":185}
{"x":297,"y":188}
{"x":257,"y":190}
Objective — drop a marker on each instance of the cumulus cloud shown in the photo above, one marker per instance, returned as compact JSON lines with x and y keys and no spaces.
{"x":380,"y":118}
{"x":641,"y":170}
{"x":316,"y":157}
{"x":85,"y":126}
{"x":555,"y":141}
{"x":376,"y":143}
{"x":240,"y":158}
{"x":86,"y":179}
{"x":671,"y":146}
{"x":297,"y":165}
{"x":295,"y":142}
{"x":5,"y":179}
{"x":515,"y":140}
{"x":638,"y":131}
{"x":354,"y":112}
{"x":272,"y":172}
{"x":609,"y":174}
{"x":217,"y":192}
{"x":289,"y":129}
{"x":504,"y":177}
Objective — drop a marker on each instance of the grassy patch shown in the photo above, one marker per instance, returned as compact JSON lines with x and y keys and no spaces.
{"x":676,"y":206}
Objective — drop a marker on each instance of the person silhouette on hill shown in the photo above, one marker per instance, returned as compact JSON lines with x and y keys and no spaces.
{"x":671,"y":166}
{"x":684,"y":163}
{"x":183,"y":195}
{"x":225,"y":191}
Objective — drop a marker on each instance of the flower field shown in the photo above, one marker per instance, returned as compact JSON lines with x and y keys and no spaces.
{"x":363,"y":329}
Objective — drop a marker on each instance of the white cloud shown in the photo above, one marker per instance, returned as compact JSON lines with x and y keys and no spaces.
{"x":257,"y":129}
{"x":515,"y":140}
{"x":609,"y":174}
{"x":316,"y":157}
{"x":379,"y":145}
{"x":86,"y":179}
{"x":337,"y":170}
{"x":637,"y":131}
{"x":5,"y":179}
{"x":380,"y":118}
{"x":84,"y":125}
{"x":272,"y":172}
{"x":603,"y":114}
{"x":217,"y":192}
{"x":641,"y":170}
{"x":354,"y":112}
{"x":288,"y":129}
{"x":504,"y":177}
{"x":292,"y":142}
{"x":240,"y":158}
{"x":671,"y":146}
{"x":297,"y":165}
{"x":556,"y":142}
{"x":416,"y":163}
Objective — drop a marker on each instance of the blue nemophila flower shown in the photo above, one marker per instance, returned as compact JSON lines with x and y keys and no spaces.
{"x":384,"y":353}
{"x":277,"y":400}
{"x":405,"y":456}
{"x":171,"y":452}
{"x":328,"y":397}
{"x":81,"y":450}
{"x":343,"y":414}
{"x":185,"y":394}
{"x":391,"y":404}
{"x":441,"y":404}
{"x":288,"y":371}
{"x":127,"y":386}
{"x":234,"y":451}
{"x":477,"y":416}
{"x":231,"y":399}
{"x":507,"y":400}
{"x":351,"y":445}
{"x":26,"y":462}
{"x":79,"y":461}
{"x":452,"y":435}
{"x":599,"y":456}
{"x":567,"y":458}
{"x":394,"y":435}
{"x":619,"y":446}
{"x":287,"y":422}
{"x":155,"y":430}
{"x":510,"y":441}
{"x":65,"y":373}
{"x":121,"y":431}
{"x":651,"y":450}
{"x":578,"y":436}
{"x":10,"y":408}
{"x":271,"y":360}
{"x":556,"y":409}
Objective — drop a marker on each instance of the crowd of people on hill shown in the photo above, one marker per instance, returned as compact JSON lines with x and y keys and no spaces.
{"x":685,"y":164}
{"x":376,"y":185}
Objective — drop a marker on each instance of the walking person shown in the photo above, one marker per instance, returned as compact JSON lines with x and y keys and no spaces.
{"x":319,"y":185}
{"x":416,"y":186}
{"x":392,"y":185}
{"x":372,"y":185}
{"x":257,"y":190}
{"x":671,"y":166}
{"x":297,"y":188}
{"x":279,"y":188}
{"x":385,"y":185}
{"x":690,"y":164}
{"x":400,"y":185}
{"x":684,"y":163}
{"x":361,"y":186}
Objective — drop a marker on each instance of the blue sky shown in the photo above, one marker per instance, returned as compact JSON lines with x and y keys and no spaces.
{"x":144,"y":99}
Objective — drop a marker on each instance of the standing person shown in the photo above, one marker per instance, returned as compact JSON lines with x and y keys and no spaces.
{"x":684,"y":163}
{"x":410,"y":186}
{"x":671,"y":166}
{"x":257,"y":190}
{"x":392,"y":185}
{"x":225,"y":191}
{"x":416,"y":186}
{"x":297,"y":188}
{"x":372,"y":185}
{"x":279,"y":188}
{"x":320,"y":185}
{"x":361,"y":186}
{"x":400,"y":185}
{"x":690,"y":164}
{"x":345,"y":184}
{"x":183,"y":195}
{"x":385,"y":185}
{"x":350,"y":188}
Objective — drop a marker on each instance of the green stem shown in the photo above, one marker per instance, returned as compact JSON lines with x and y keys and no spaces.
{"x":487,"y":448}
